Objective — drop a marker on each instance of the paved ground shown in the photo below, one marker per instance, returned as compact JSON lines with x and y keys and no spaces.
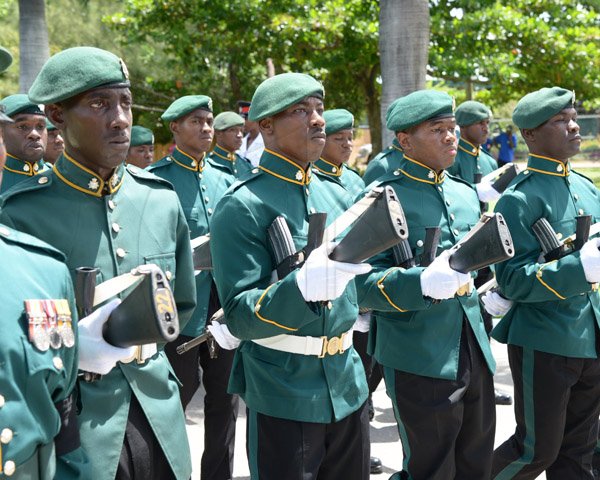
{"x":384,"y":435}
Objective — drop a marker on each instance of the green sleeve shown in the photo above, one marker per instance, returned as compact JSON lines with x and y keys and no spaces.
{"x":184,"y":289}
{"x":254,"y":307}
{"x":523,"y":278}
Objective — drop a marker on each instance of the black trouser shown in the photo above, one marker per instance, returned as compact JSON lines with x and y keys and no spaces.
{"x":220,"y":408}
{"x":557,"y":403}
{"x":446,"y":426}
{"x":142,"y":457}
{"x":483,"y":276}
{"x":280,"y":449}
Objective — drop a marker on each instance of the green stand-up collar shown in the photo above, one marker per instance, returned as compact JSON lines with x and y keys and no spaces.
{"x":468,"y":147}
{"x":83,"y":179}
{"x":281,"y":167}
{"x":22,"y":167}
{"x":548,"y":166}
{"x":419,"y":172}
{"x":328,"y":168}
{"x":223,"y":154}
{"x":186,"y":161}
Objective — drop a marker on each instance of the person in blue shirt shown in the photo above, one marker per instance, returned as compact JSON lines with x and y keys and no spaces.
{"x":507,"y":143}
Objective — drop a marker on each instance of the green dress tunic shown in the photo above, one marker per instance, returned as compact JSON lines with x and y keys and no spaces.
{"x":16,"y":171}
{"x":471,"y":160}
{"x":32,"y":380}
{"x":410,"y":333}
{"x":556,"y":310}
{"x":132,"y":219}
{"x":384,"y":162}
{"x":280,"y":384}
{"x":229,"y":161}
{"x":199,"y":186}
{"x":344,"y":175}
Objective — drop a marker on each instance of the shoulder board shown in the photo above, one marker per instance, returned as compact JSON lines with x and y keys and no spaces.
{"x":147,"y":175}
{"x":459,"y":180}
{"x":353,"y":170}
{"x":163,"y":162}
{"x":37,"y":182}
{"x":392,"y":176}
{"x":13,"y":236}
{"x":253,"y":175}
{"x":582,"y":175}
{"x":520,"y":178}
{"x":215,"y":164}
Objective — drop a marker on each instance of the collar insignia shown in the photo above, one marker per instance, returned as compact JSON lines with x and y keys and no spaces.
{"x":93,"y":185}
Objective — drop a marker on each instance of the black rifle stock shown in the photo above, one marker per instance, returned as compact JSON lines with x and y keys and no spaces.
{"x":201,"y":253}
{"x":552,"y":248}
{"x":504,"y":180}
{"x":85,"y":286}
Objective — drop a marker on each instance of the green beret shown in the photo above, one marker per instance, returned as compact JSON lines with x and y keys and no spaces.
{"x":77,"y":70}
{"x":338,"y":119}
{"x":49,"y":125}
{"x":141,"y":136}
{"x":277,"y":93}
{"x":470,"y":112}
{"x":5,"y":59}
{"x":184,"y":105}
{"x":537,"y":107}
{"x":417,"y":107}
{"x":391,"y":110}
{"x":19,"y":103}
{"x":225,"y":120}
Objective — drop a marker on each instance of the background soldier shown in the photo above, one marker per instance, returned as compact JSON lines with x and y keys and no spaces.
{"x":229,"y":128}
{"x":552,"y":329}
{"x":304,"y":411}
{"x":200,"y":184}
{"x":437,"y":360}
{"x":141,"y":148}
{"x":55,"y":145}
{"x":103,"y":214}
{"x":25,"y":139}
{"x":253,"y":144}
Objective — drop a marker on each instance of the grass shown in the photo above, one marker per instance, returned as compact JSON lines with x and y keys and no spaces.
{"x":593,"y":173}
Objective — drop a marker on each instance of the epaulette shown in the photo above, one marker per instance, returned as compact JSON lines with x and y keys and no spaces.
{"x":142,"y":174}
{"x":353,"y":170}
{"x":520,"y":178}
{"x":254,"y":174}
{"x":392,"y":176}
{"x":583,"y":176}
{"x":13,"y":236}
{"x":459,"y":180}
{"x":215,"y":164}
{"x":163,"y":162}
{"x":37,"y":182}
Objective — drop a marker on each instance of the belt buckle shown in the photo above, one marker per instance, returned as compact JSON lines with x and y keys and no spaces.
{"x":465,"y":289}
{"x":333,"y":345}
{"x":137,"y":356}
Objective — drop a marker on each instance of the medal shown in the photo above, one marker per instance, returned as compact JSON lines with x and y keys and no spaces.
{"x":37,"y":319}
{"x":52,"y":324}
{"x":65,"y":327}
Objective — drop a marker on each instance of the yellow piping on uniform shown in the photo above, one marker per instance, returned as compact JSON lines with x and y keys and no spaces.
{"x":538,"y":275}
{"x":257,"y":308}
{"x":382,"y":289}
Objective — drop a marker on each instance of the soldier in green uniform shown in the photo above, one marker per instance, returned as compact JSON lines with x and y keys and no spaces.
{"x":25,"y":140}
{"x":229,"y":133}
{"x":296,"y":369}
{"x":103,"y":214}
{"x":55,"y":145}
{"x":436,"y":356}
{"x":333,"y":169}
{"x":39,"y":435}
{"x":552,"y":328}
{"x":141,"y":148}
{"x":389,"y":159}
{"x":200,"y":184}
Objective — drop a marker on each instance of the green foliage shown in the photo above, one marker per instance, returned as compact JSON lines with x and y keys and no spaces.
{"x":515,"y":46}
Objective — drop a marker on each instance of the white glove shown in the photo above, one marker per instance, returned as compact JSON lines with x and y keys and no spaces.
{"x":439,"y":281}
{"x":363,"y":323}
{"x":96,"y":354}
{"x":590,"y":260}
{"x":321,"y":278}
{"x":486,"y":192}
{"x":495,"y":304}
{"x":223,"y":336}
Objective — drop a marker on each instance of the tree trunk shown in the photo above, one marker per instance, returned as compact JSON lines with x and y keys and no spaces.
{"x":404,"y":47}
{"x":33,"y":40}
{"x":234,"y":81}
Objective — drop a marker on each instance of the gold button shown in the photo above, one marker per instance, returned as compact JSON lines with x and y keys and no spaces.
{"x":111,"y":204}
{"x":43,"y":180}
{"x":580,"y":211}
{"x":312,"y":210}
{"x":35,"y":168}
{"x":120,"y":253}
{"x":299,"y":175}
{"x":440,"y":189}
{"x":194,"y":164}
{"x":209,"y":211}
{"x":116,"y":227}
{"x":2,"y":401}
{"x":452,"y":216}
{"x":205,"y":199}
{"x":200,"y":176}
{"x":26,"y":168}
{"x":9,"y":468}
{"x":203,"y":187}
{"x":559,"y":168}
{"x":58,"y":363}
{"x":168,"y":274}
{"x":525,"y":172}
{"x":576,"y":197}
{"x":419,"y":243}
{"x":5,"y":232}
{"x":255,"y":170}
{"x":6,"y":435}
{"x":456,"y":232}
{"x":396,"y":172}
{"x":334,"y":170}
{"x":559,"y":235}
{"x":307,"y":191}
{"x":329,"y":305}
{"x":448,"y":203}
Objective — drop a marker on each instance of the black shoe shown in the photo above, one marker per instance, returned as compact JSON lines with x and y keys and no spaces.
{"x":371,"y":408}
{"x":376,"y":466}
{"x":502,"y":398}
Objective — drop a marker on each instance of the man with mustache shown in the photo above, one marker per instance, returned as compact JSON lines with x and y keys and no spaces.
{"x":25,"y":140}
{"x":427,"y":331}
{"x":296,"y":368}
{"x":552,"y":328}
{"x":55,"y":145}
{"x":103,"y":214}
{"x":200,"y":184}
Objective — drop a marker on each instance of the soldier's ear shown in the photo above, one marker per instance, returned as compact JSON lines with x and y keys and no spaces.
{"x":266,"y":126}
{"x":528,"y":134}
{"x":403,"y":139}
{"x":54,"y":112}
{"x":174,"y":126}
